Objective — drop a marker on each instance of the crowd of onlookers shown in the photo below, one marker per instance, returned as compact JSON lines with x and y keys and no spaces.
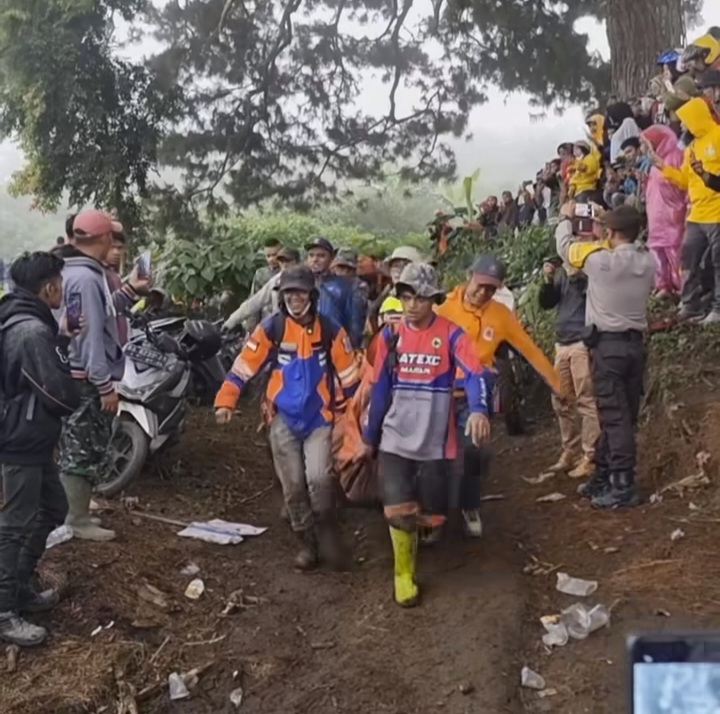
{"x":657,"y":153}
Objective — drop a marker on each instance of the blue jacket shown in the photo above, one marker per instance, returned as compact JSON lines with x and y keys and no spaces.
{"x":338,"y":301}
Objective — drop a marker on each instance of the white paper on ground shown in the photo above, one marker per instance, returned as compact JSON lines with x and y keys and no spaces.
{"x":220,"y":532}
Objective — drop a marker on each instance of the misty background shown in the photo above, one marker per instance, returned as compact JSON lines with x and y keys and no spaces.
{"x":511,"y":141}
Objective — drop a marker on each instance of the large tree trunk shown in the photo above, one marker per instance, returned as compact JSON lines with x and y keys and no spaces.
{"x":638,"y":30}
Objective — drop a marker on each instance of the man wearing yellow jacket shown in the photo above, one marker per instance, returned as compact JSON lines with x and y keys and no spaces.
{"x":702,"y":233}
{"x":488,"y":323}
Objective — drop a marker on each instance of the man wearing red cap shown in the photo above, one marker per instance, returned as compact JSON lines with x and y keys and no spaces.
{"x":96,"y":361}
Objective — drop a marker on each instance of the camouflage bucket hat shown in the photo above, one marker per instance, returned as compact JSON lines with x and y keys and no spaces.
{"x":423,"y":280}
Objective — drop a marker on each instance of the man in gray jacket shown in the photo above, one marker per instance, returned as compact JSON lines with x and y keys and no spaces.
{"x":96,"y":361}
{"x":264,"y":302}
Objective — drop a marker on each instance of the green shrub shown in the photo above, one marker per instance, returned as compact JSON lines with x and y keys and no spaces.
{"x":227,"y":252}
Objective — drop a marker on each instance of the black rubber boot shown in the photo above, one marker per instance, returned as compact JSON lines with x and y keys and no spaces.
{"x":597,"y":485}
{"x":621,"y":494}
{"x":307,"y":556}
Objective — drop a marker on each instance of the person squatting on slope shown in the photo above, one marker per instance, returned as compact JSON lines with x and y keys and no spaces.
{"x":411,"y":420}
{"x":36,"y":392}
{"x":307,"y":353}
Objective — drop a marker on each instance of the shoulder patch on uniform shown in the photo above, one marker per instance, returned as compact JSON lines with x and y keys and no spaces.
{"x":436,"y":343}
{"x":347,"y":344}
{"x":488,"y":333}
{"x":579,"y":252}
{"x":62,"y":356}
{"x":252,"y":345}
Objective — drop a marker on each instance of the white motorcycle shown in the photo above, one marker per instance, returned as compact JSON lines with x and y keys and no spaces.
{"x":153,"y":394}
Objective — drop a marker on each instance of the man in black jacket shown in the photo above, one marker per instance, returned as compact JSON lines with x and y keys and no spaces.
{"x":36,"y":392}
{"x":566,"y":290}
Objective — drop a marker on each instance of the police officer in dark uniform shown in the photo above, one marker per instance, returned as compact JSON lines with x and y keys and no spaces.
{"x":620,"y":275}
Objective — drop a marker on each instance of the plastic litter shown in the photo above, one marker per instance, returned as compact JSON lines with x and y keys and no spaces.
{"x":581,"y":622}
{"x":556,"y":633}
{"x":540,"y":478}
{"x":677,"y":534}
{"x":576,"y":622}
{"x":177,"y":687}
{"x":531,"y":680}
{"x":220,"y":532}
{"x":191,"y":569}
{"x":551,"y":498}
{"x":575,"y":586}
{"x":195,"y":589}
{"x":236,"y":697}
{"x":62,"y":534}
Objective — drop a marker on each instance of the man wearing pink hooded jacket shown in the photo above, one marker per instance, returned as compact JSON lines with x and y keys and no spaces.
{"x":666,"y":210}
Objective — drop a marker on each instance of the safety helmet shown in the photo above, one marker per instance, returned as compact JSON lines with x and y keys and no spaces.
{"x":669,"y":57}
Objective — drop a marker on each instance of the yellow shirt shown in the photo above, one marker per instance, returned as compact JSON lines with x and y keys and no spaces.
{"x":704,"y":202}
{"x":585,"y":174}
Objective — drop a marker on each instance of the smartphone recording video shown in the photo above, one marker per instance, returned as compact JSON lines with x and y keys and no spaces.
{"x":74,"y":311}
{"x":583,"y":221}
{"x":144,"y":265}
{"x":675,"y":673}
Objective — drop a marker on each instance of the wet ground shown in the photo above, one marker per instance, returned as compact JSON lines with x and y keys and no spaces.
{"x":328,"y":642}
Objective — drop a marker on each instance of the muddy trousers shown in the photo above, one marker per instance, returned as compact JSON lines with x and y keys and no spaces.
{"x":474,"y":466}
{"x":700,"y":263}
{"x":34,"y":505}
{"x":304,"y":467}
{"x":572,"y":363}
{"x":618,"y":366}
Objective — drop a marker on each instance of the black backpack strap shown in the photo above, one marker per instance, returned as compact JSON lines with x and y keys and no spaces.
{"x":392,"y":355}
{"x":276,"y":329}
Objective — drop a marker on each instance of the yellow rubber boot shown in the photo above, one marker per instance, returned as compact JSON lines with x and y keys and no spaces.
{"x":405,"y":550}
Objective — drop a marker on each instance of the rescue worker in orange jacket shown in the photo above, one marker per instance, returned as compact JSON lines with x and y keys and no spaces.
{"x":310,"y":357}
{"x":489,"y":324}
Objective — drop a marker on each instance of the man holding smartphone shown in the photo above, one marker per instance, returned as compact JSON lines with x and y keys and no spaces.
{"x":96,"y":361}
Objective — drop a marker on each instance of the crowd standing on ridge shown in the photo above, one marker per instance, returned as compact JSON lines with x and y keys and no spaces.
{"x":379,"y":382}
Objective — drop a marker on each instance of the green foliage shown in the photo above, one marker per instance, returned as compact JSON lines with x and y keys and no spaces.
{"x":88,"y":122}
{"x":226,"y":254}
{"x":271,"y":101}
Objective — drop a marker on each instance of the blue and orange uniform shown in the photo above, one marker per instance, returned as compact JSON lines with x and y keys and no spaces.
{"x":308,"y":363}
{"x":301,"y":385}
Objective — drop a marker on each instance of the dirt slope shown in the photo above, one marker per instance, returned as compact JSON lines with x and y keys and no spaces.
{"x":312,"y":643}
{"x":327,"y":643}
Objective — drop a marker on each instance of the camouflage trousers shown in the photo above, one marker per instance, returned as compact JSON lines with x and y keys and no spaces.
{"x":85,"y":438}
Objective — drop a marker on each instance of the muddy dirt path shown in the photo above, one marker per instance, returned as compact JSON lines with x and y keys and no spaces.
{"x":321,"y":642}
